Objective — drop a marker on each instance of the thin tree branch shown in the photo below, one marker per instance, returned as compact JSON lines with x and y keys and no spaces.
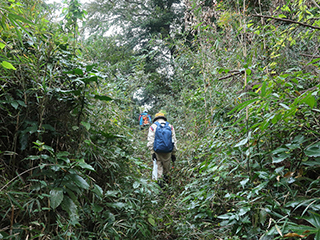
{"x":28,"y":170}
{"x":315,"y":3}
{"x":310,"y":89}
{"x":286,"y":20}
{"x":308,"y":55}
{"x":230,"y":75}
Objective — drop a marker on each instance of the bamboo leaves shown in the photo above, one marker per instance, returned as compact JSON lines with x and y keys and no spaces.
{"x":12,"y":15}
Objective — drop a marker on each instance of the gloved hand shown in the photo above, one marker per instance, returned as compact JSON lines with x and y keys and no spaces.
{"x":154,"y":156}
{"x":173,"y":158}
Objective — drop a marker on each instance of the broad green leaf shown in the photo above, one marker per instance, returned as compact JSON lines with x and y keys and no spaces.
{"x":62,"y":154}
{"x":91,"y":79}
{"x":85,"y":165}
{"x":75,"y":127}
{"x":262,"y":216}
{"x":86,"y":125}
{"x":282,"y":16}
{"x":244,"y":210}
{"x":311,"y":163}
{"x":2,"y":45}
{"x":111,"y":193}
{"x":151,"y":221}
{"x":259,"y":187}
{"x":263,"y":175}
{"x":33,"y":157}
{"x":56,"y":197}
{"x":117,"y":205}
{"x":313,"y":151}
{"x":8,"y":65}
{"x":226,"y":216}
{"x":47,"y":126}
{"x":314,"y":219}
{"x":310,"y":101}
{"x":298,"y":139}
{"x":81,"y":183}
{"x":136,"y":184}
{"x":36,"y":157}
{"x":65,"y":159}
{"x":279,"y":150}
{"x":71,"y":208}
{"x":89,"y":68}
{"x":38,"y":143}
{"x":78,"y":80}
{"x":280,"y":154}
{"x":292,"y":146}
{"x":46,"y":147}
{"x":186,"y":198}
{"x":289,"y":113}
{"x":276,"y":118}
{"x":78,"y":71}
{"x":302,"y":229}
{"x":97,"y":208}
{"x":72,"y":195}
{"x":263,"y":89}
{"x":104,"y":98}
{"x":97,"y":190}
{"x":280,"y":157}
{"x":15,"y":105}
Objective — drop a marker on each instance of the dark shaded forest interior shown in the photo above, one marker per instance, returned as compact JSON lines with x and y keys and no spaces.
{"x":239,"y":80}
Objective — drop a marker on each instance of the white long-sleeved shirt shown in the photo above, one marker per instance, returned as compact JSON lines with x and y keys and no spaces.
{"x":152,"y":132}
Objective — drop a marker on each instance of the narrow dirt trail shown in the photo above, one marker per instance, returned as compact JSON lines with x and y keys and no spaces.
{"x":168,"y":203}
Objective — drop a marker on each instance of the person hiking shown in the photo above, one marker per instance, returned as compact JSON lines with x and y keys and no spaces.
{"x":162,"y":143}
{"x":144,"y":119}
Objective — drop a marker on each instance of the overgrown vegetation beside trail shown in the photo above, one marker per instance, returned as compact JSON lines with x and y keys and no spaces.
{"x":239,"y":81}
{"x":68,"y":170}
{"x":251,"y":128}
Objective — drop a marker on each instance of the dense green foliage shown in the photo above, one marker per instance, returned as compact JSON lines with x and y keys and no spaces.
{"x":65,"y":168}
{"x":240,"y":85}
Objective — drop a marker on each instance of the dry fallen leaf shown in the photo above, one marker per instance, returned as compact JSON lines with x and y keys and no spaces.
{"x":293,"y":235}
{"x":289,"y":174}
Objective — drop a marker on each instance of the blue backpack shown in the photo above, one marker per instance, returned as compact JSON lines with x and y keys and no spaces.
{"x":163,"y":138}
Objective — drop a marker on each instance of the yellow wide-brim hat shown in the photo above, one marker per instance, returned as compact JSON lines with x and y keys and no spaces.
{"x":158,"y":116}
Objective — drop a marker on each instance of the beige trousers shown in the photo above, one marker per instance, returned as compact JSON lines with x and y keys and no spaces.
{"x":163,"y":162}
